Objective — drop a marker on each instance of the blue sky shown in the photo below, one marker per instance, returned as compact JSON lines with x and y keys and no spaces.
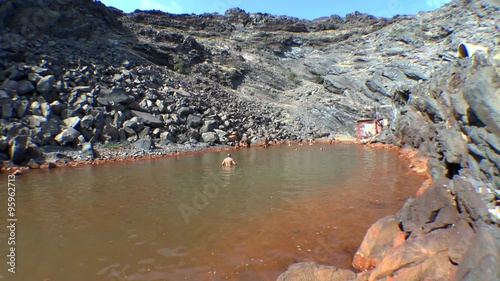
{"x":298,"y":8}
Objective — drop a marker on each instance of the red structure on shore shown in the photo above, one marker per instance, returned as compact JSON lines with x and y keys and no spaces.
{"x":369,"y":127}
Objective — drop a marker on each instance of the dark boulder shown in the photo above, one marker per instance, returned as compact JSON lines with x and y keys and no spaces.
{"x":18,"y":148}
{"x":25,"y":87}
{"x":184,"y":112}
{"x":72,"y":122}
{"x":193,"y":121}
{"x":469,"y":201}
{"x":336,"y":84}
{"x":114,"y":95}
{"x":67,"y":137}
{"x":483,"y":99}
{"x":375,"y":84}
{"x":168,"y":136}
{"x":434,"y":209}
{"x":415,"y":74}
{"x":482,"y":260}
{"x":87,"y":122}
{"x":453,"y":146}
{"x":144,"y":144}
{"x":35,"y":121}
{"x":148,"y":118}
{"x":46,"y":84}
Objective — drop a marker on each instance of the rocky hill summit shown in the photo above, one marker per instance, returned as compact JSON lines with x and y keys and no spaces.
{"x":83,"y":80}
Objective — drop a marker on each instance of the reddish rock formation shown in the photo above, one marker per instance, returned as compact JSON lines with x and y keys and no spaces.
{"x":444,"y":234}
{"x":378,"y":242}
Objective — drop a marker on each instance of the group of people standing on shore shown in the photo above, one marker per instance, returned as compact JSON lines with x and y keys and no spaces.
{"x":229,"y":161}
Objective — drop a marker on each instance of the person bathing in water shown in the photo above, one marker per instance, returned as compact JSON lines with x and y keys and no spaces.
{"x":228,"y":161}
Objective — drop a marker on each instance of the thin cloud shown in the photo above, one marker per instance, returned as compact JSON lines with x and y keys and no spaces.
{"x":171,"y":6}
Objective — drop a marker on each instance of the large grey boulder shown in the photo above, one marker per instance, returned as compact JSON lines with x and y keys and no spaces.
{"x":452,"y":145}
{"x":14,"y":129}
{"x":46,"y":84}
{"x":210,"y":137}
{"x":10,"y":86}
{"x":35,"y":121}
{"x":144,"y":144}
{"x":148,"y":118}
{"x":375,"y":84}
{"x":395,"y":74}
{"x":209,"y":126}
{"x":483,"y":99}
{"x":127,"y":132}
{"x":336,"y":84}
{"x":115,"y":96}
{"x":415,"y":74}
{"x":184,"y":112}
{"x":111,"y":132}
{"x":168,"y":136}
{"x":460,"y":106}
{"x":482,"y":259}
{"x":57,"y":107}
{"x":67,"y":137}
{"x":72,"y":122}
{"x":87,"y":122}
{"x":193,"y":121}
{"x":52,"y":127}
{"x":221,"y":133}
{"x":99,"y":119}
{"x":134,"y":124}
{"x":25,"y":87}
{"x":492,"y":140}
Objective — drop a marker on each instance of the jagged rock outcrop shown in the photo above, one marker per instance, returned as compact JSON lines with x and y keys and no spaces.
{"x":80,"y":77}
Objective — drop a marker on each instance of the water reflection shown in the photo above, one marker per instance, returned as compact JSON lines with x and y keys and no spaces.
{"x":190,"y":218}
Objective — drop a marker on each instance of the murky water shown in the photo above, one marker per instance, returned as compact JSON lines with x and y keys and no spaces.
{"x":188,"y":218}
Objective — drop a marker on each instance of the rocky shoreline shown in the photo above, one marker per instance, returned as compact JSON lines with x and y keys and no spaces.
{"x":90,"y":82}
{"x":107,"y":155}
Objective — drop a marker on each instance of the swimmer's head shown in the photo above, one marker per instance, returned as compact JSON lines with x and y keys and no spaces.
{"x":229,"y":155}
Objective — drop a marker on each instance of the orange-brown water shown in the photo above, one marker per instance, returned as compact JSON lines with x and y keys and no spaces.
{"x":188,"y":218}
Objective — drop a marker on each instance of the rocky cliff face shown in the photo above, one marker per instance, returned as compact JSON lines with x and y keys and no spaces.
{"x":75,"y":77}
